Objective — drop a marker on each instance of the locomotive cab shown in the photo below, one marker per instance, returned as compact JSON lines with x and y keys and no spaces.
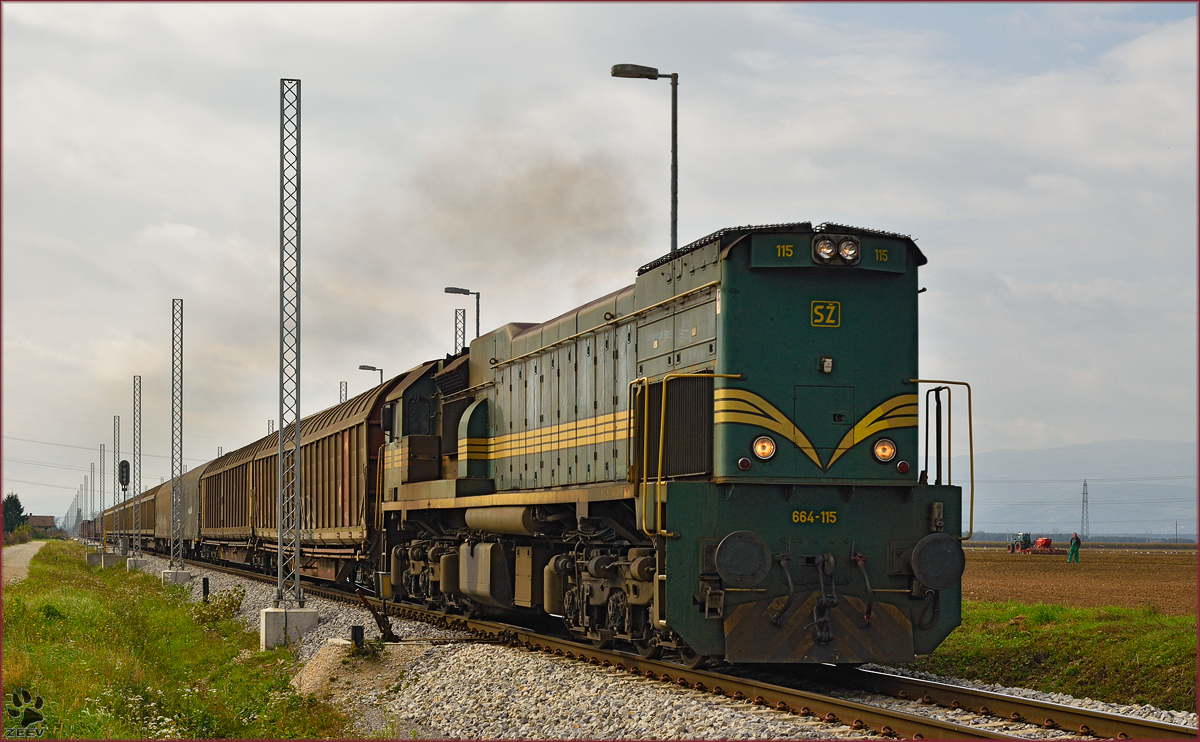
{"x":814,"y":539}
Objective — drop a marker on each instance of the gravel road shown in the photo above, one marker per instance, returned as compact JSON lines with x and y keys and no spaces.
{"x":16,"y":560}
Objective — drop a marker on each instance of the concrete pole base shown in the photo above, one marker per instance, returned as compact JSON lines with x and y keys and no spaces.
{"x":111,"y":560}
{"x":134,"y":564}
{"x":94,"y":560}
{"x":175,"y":576}
{"x":278,"y":626}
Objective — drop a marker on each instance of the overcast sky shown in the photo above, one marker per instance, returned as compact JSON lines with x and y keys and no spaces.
{"x":1044,"y":157}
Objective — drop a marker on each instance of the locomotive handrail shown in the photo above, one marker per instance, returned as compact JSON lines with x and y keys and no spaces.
{"x":662,"y":430}
{"x":636,"y":473}
{"x":613,"y":321}
{"x":970,"y":445}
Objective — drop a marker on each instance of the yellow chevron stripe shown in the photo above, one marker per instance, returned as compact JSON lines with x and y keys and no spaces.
{"x":747,"y":408}
{"x":898,"y":412}
{"x":744,"y":406}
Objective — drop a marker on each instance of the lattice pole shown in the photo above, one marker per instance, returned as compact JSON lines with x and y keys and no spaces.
{"x":92,"y":497}
{"x":270,"y":426}
{"x":176,"y":434}
{"x":289,"y":502}
{"x":1085,"y":524}
{"x":342,"y":391}
{"x":116,"y":474}
{"x":103,"y":546}
{"x":460,"y":330}
{"x":220,"y":451}
{"x":135,"y":478}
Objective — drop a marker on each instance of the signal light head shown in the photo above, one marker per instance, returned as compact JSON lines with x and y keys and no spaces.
{"x":885,"y":450}
{"x":764,"y":447}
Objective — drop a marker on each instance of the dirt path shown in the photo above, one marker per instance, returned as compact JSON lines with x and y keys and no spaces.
{"x":16,"y":560}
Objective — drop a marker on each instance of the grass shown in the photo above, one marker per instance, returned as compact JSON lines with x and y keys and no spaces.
{"x":118,"y":655}
{"x":1118,"y":655}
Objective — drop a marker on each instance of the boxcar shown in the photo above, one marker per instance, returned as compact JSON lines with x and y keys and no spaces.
{"x":340,"y":448}
{"x":189,"y":512}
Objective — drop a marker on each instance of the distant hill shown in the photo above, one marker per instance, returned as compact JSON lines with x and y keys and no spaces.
{"x":1134,"y":486}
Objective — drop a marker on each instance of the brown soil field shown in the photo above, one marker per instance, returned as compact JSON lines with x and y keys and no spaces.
{"x":1103,"y":577}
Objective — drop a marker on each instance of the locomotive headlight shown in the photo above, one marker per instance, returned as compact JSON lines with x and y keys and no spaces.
{"x":764,"y":447}
{"x":885,"y":450}
{"x":825,"y":249}
{"x":848,"y":250}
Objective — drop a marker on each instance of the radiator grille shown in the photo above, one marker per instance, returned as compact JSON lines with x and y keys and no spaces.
{"x":687,"y":446}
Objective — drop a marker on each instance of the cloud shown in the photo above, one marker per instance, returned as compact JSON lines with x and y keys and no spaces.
{"x":486,"y":146}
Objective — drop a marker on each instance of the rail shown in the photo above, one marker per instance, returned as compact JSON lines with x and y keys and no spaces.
{"x":1045,"y":714}
{"x":885,"y":721}
{"x":829,"y":709}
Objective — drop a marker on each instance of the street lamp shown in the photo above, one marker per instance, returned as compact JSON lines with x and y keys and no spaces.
{"x":467,"y":292}
{"x":372,"y":368}
{"x":637,"y":71}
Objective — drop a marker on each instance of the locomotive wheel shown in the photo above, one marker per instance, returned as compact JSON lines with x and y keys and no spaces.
{"x":601,"y":643}
{"x":690,"y":659}
{"x":647,"y":650}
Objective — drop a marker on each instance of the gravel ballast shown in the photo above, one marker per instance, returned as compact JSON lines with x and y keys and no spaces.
{"x":481,"y":691}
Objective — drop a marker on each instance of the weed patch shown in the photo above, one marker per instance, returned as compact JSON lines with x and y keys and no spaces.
{"x":221,"y":606}
{"x":118,"y":655}
{"x":1118,"y":655}
{"x":369,"y":650}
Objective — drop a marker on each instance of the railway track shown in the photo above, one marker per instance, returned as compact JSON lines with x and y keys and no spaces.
{"x":995,"y":711}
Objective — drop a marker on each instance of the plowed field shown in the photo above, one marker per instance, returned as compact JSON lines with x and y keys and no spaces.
{"x":1103,"y":577}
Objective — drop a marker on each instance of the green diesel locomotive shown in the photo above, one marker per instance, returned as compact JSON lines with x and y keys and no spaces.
{"x":719,"y":460}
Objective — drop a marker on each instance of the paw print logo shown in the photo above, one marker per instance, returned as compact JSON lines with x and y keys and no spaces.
{"x":25,"y":708}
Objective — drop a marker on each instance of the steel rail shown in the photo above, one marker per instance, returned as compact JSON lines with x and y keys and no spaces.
{"x":1046,"y":714}
{"x":830,"y":710}
{"x":884,"y":721}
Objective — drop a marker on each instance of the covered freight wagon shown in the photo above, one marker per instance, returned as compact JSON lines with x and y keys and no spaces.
{"x":189,"y":512}
{"x":339,"y":454}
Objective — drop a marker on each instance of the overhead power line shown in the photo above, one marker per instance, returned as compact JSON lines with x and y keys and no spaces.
{"x":87,"y":448}
{"x":1079,"y":479}
{"x":46,"y":464}
{"x":43,"y":484}
{"x":1052,"y":503}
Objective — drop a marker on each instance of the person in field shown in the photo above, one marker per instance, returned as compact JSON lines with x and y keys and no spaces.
{"x":1073,"y":554}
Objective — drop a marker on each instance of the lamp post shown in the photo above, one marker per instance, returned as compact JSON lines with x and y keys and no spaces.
{"x":637,"y":71}
{"x":372,"y":368}
{"x":467,"y":292}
